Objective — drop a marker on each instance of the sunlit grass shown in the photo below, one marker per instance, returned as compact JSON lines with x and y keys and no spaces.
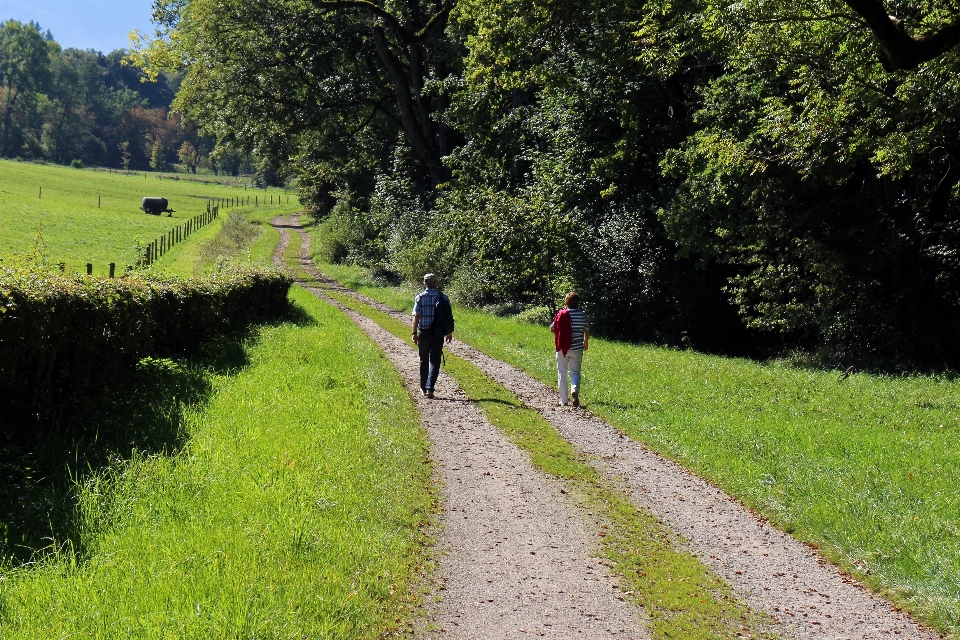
{"x":218,"y":242}
{"x":294,"y":508}
{"x":76,"y":230}
{"x":863,"y":467}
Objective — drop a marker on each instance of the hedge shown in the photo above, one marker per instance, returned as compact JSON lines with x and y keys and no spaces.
{"x":62,"y":336}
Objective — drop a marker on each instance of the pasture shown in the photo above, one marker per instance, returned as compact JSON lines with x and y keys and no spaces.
{"x":86,"y":216}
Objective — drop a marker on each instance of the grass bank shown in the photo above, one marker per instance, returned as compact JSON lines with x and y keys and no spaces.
{"x":863,"y":467}
{"x":293,"y":508}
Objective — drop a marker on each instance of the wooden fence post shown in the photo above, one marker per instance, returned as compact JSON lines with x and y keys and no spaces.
{"x":113,"y":268}
{"x":89,"y":269}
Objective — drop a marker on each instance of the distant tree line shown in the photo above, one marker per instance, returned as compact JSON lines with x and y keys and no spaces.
{"x":758,"y":177}
{"x":68,"y":105}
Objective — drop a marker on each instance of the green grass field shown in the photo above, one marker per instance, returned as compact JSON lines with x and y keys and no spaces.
{"x":273,"y":485}
{"x":76,"y":231}
{"x":241,"y":235}
{"x":294,"y":508}
{"x":863,"y":467}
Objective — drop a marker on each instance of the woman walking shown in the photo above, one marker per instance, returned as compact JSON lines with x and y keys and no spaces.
{"x":571,"y":333}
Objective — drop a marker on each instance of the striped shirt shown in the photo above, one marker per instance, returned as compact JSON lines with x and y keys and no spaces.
{"x":425,"y":304}
{"x":579,"y":322}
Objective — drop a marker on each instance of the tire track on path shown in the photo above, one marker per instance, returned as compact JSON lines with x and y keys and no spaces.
{"x":517,"y":556}
{"x":772,"y":571}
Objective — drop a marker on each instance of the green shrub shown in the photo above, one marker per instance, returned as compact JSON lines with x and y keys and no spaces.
{"x":349,"y":236}
{"x":76,"y":163}
{"x":536,"y":315}
{"x":61,"y":336}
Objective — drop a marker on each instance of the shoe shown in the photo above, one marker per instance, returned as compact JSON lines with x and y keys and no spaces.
{"x":429,"y":394}
{"x":576,"y":398}
{"x":561,"y":404}
{"x":423,"y":392}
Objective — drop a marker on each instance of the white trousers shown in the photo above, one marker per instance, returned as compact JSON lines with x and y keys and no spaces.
{"x":570,"y":362}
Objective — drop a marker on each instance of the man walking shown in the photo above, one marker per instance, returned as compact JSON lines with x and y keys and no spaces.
{"x":432,"y":324}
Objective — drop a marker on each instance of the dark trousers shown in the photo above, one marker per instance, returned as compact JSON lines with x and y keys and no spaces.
{"x":431,"y":348}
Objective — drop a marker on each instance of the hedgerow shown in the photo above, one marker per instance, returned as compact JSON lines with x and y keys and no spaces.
{"x":63,"y":336}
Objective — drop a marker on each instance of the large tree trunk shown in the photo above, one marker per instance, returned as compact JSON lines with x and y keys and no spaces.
{"x":899,"y":49}
{"x":415,"y":112}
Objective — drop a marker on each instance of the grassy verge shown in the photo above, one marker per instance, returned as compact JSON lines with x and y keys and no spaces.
{"x":293,"y":509}
{"x":863,"y":467}
{"x":681,"y":596}
{"x":239,"y":235}
{"x":187,"y":258}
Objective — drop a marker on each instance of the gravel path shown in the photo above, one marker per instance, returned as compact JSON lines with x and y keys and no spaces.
{"x":769,"y":569}
{"x":517,"y":557}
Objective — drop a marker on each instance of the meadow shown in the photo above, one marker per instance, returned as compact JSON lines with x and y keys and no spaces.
{"x":85,"y":216}
{"x":861,"y":466}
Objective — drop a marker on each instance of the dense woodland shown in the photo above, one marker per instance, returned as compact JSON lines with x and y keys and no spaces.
{"x":759,"y":177}
{"x":86,"y":108}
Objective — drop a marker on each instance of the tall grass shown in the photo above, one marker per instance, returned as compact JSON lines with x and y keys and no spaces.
{"x":864,"y":467}
{"x":247,"y":239}
{"x":293,"y":509}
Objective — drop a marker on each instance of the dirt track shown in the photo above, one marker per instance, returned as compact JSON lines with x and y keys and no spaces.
{"x":516,"y":556}
{"x":770,"y":570}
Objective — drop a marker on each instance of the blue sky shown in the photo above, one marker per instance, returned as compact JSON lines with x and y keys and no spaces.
{"x":86,"y":24}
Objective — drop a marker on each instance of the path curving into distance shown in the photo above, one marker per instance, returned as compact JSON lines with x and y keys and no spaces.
{"x":770,"y":570}
{"x":517,"y":558}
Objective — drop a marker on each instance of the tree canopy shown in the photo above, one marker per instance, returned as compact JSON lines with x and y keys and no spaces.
{"x":750,"y":178}
{"x":67,"y":105}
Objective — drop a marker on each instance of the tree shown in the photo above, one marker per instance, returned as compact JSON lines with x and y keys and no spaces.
{"x":68,"y":120}
{"x":124,"y":148}
{"x":158,"y":156}
{"x":24,"y":68}
{"x":189,"y":156}
{"x":326,"y":70}
{"x":900,"y":50}
{"x":227,"y":161}
{"x":827,"y":185}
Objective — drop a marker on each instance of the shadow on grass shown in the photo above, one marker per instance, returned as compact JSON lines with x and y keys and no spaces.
{"x":142,"y":414}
